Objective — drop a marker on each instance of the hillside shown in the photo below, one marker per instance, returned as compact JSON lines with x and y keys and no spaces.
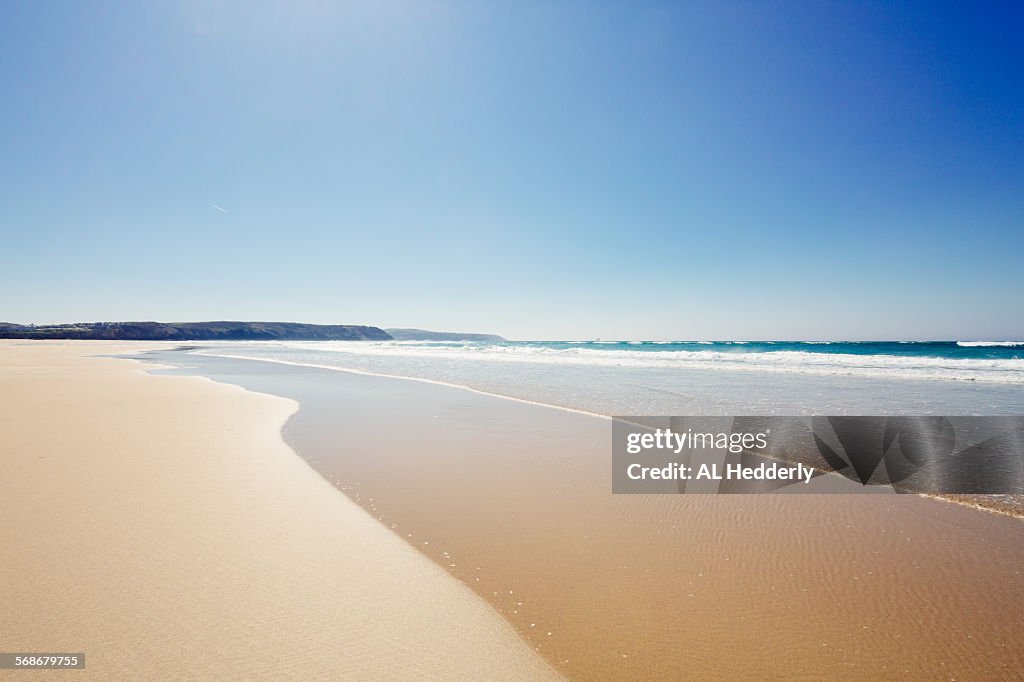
{"x":194,"y":331}
{"x":425,"y":335}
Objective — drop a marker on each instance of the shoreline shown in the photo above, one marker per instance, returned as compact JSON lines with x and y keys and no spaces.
{"x":161,"y":525}
{"x":433,"y":382}
{"x":992,"y":504}
{"x":509,"y":498}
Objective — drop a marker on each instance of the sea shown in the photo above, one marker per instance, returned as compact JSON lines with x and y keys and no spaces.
{"x":691,"y":377}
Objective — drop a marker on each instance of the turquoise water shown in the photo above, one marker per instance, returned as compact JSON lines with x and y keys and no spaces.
{"x":695,"y":377}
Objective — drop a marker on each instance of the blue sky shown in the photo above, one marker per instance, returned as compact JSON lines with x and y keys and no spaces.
{"x":540,"y":170}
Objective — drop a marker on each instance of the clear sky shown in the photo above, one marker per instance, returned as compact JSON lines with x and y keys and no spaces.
{"x":539,"y":170}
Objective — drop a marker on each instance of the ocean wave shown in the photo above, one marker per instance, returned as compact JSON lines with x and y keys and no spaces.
{"x":995,"y":370}
{"x":1000,"y":344}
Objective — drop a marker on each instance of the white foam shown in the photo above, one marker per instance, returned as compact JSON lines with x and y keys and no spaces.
{"x":974,"y":344}
{"x":994,"y":370}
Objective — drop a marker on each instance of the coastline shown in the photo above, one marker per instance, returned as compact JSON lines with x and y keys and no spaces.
{"x":161,"y":525}
{"x":513,"y":499}
{"x":1005,"y":505}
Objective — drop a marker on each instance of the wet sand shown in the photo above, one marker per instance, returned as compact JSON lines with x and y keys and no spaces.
{"x":160,"y":525}
{"x":514,"y":500}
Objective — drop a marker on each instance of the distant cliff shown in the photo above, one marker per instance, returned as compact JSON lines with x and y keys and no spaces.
{"x":424,"y":335}
{"x":194,"y":331}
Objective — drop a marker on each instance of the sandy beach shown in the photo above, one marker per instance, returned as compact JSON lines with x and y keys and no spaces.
{"x":515,"y":500}
{"x":300,"y":523}
{"x":446,"y":340}
{"x":160,"y":525}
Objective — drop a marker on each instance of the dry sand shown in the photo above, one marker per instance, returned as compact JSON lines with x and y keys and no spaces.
{"x":160,"y":525}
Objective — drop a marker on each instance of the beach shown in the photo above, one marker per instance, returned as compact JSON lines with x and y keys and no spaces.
{"x":607,"y":341}
{"x":297,"y":522}
{"x":160,"y":525}
{"x":513,"y":499}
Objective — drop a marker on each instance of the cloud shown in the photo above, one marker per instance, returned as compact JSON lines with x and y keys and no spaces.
{"x":222,"y":210}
